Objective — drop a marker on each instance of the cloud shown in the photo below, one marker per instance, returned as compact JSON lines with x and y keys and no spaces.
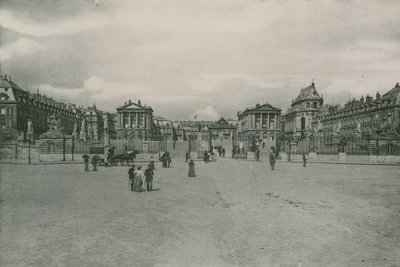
{"x":207,"y":114}
{"x":21,"y":47}
{"x":62,"y":27}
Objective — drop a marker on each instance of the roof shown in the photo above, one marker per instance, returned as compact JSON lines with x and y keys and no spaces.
{"x":14,"y":93}
{"x":258,"y":107}
{"x":221,"y":124}
{"x":131,"y":105}
{"x":393,"y":94}
{"x":308,"y":93}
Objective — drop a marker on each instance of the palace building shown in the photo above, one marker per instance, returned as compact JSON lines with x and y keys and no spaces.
{"x":135,"y":121}
{"x":260,"y":124}
{"x":18,"y":107}
{"x":367,"y":117}
{"x":300,"y":116}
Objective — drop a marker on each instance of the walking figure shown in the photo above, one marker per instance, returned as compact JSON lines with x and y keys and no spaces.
{"x":151,"y":164}
{"x":257,"y":154}
{"x":138,"y":182}
{"x":304,"y":160}
{"x":131,"y":173}
{"x":272,"y":158}
{"x":148,"y":173}
{"x":192,"y":172}
{"x":187,"y":156}
{"x":86,"y":161}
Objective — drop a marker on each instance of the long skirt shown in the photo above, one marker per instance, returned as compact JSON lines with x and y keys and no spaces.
{"x":137,"y":185}
{"x":191,"y":172}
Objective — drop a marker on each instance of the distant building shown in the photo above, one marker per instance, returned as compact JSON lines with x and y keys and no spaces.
{"x":18,"y":106}
{"x":222,"y":130}
{"x":303,"y":111}
{"x":135,"y":121}
{"x":94,"y":123}
{"x":371,"y":118}
{"x":194,"y":130}
{"x":260,"y":124}
{"x":165,"y":128}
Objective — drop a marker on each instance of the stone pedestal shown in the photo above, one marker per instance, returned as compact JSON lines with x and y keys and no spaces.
{"x":342,"y":156}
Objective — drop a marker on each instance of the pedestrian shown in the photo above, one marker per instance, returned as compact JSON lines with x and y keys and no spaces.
{"x":86,"y":161}
{"x":272,"y":158}
{"x":223,"y":152}
{"x":304,"y":160}
{"x":152,"y":165}
{"x":149,"y":173}
{"x":187,"y":156}
{"x":192,"y":172}
{"x":169,"y":160}
{"x":131,"y":173}
{"x":257,"y":154}
{"x":138,"y":182}
{"x":205,"y":156}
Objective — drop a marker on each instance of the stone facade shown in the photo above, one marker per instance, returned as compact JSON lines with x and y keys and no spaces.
{"x":222,"y":130}
{"x":260,"y":124}
{"x":18,"y":107}
{"x":165,"y":128}
{"x":300,"y":116}
{"x":135,"y":121}
{"x":369,"y":117}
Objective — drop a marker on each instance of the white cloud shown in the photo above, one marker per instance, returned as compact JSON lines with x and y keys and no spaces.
{"x":208,"y":113}
{"x":63,"y":27}
{"x":22,"y":47}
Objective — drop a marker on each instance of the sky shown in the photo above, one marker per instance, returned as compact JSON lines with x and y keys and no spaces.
{"x":207,"y":57}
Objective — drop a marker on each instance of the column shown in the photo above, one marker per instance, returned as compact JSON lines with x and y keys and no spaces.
{"x":261,"y":120}
{"x":137,"y":120}
{"x":253,"y":121}
{"x":276,"y":121}
{"x":119,"y":119}
{"x":130,"y":120}
{"x":268,"y":120}
{"x":123,"y":120}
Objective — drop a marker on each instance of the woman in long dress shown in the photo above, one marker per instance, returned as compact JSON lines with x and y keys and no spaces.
{"x":137,"y":187}
{"x":192,"y":172}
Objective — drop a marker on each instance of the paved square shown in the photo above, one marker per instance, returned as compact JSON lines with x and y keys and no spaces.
{"x":234,"y":213}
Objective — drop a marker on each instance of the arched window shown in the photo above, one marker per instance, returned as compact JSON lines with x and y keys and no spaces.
{"x":308,"y":104}
{"x":315,"y":104}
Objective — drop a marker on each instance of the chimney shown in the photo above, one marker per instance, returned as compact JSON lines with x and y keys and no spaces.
{"x":140,"y":103}
{"x":129,"y":101}
{"x":257,"y":105}
{"x":378,"y":96}
{"x":397,"y":85}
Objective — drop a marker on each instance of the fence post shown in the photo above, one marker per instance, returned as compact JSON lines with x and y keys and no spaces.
{"x":72,"y":148}
{"x":29,"y":152}
{"x":16,"y":151}
{"x":63,"y":148}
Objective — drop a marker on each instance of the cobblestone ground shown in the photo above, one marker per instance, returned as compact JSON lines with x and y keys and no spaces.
{"x":234,"y":213}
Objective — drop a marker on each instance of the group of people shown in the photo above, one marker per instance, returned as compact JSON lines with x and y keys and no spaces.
{"x":166,"y":160}
{"x":137,"y":178}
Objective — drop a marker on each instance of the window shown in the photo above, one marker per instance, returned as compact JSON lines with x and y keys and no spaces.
{"x":3,"y":123}
{"x":315,"y":104}
{"x":3,"y":111}
{"x":308,"y":104}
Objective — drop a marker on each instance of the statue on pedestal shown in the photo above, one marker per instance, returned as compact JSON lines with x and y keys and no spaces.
{"x":29,"y":133}
{"x":83,"y":135}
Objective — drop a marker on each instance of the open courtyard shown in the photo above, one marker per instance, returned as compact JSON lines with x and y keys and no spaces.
{"x":234,"y":213}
